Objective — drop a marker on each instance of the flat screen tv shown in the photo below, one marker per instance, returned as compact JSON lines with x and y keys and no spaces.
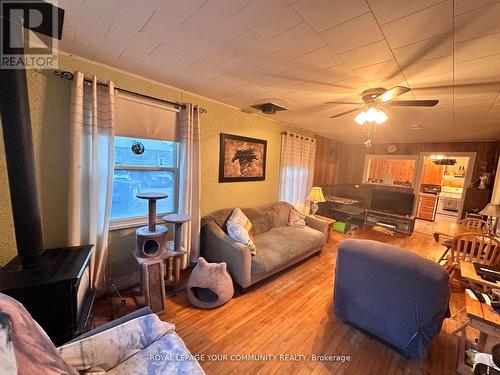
{"x":392,"y":202}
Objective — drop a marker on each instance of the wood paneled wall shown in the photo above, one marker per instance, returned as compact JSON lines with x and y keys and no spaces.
{"x":325,"y":169}
{"x":351,"y":157}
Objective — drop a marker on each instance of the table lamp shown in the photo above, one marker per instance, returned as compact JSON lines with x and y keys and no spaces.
{"x":315,"y":196}
{"x":493,"y":212}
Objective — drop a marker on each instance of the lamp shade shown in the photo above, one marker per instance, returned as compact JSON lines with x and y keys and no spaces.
{"x":492,"y":210}
{"x":316,"y":195}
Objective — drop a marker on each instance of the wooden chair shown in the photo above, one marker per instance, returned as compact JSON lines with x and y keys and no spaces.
{"x":475,"y":223}
{"x":469,"y":223}
{"x":472,"y":247}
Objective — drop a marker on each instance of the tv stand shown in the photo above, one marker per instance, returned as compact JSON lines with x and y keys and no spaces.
{"x":398,"y":223}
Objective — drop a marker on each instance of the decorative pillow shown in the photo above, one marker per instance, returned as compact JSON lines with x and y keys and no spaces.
{"x":296,"y":219}
{"x":240,"y":234}
{"x":238,"y":217}
{"x":238,"y":227}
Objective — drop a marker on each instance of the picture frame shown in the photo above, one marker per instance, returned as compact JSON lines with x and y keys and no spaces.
{"x":241,"y":158}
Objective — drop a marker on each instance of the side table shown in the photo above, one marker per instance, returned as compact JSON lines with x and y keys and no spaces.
{"x":177,"y":251}
{"x":329,"y":221}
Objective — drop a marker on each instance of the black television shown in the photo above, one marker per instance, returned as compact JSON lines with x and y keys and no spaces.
{"x":392,"y":202}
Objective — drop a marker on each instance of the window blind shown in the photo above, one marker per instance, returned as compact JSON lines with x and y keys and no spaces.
{"x":141,"y":118}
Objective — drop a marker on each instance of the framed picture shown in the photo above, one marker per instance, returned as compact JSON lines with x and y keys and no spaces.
{"x":242,"y":158}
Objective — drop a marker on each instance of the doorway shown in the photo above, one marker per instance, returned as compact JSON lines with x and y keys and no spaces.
{"x":442,"y":179}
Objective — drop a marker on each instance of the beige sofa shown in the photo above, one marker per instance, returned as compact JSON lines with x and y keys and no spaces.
{"x":278,"y":245}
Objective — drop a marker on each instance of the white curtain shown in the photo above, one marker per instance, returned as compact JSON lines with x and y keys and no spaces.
{"x":91,"y":170}
{"x":189,"y":180}
{"x":297,"y":169}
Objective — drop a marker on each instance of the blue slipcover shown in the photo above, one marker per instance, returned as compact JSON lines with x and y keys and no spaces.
{"x":391,"y":293}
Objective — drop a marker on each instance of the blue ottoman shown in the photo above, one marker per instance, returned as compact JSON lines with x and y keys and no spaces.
{"x":392,"y":294}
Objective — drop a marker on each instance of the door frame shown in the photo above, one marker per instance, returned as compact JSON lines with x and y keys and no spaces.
{"x":468,"y":176}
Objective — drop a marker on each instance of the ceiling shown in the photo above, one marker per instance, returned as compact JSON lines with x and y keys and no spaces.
{"x":305,"y":52}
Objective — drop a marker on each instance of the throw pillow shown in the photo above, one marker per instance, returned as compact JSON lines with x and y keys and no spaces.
{"x":296,"y":219}
{"x":240,"y":234}
{"x":238,"y":217}
{"x":238,"y":226}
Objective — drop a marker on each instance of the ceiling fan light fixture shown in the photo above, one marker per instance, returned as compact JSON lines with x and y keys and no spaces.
{"x":371,"y":116}
{"x":361,"y":118}
{"x":380,"y":117}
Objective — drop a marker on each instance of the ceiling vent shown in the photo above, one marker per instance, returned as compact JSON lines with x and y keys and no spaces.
{"x":269,"y":108}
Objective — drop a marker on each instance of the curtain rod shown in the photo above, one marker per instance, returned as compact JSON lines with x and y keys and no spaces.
{"x":298,"y":135}
{"x":69,"y":76}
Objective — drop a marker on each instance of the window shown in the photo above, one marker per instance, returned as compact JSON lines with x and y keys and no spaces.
{"x":155,"y":170}
{"x":390,"y":170}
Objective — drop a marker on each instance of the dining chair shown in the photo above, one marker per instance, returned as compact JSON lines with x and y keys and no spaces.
{"x":472,"y":247}
{"x":469,"y":223}
{"x":475,"y":223}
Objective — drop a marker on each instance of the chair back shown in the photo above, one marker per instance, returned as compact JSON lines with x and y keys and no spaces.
{"x":474,"y":247}
{"x":475,"y":223}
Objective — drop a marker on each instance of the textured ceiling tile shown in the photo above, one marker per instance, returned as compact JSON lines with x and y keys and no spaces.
{"x":368,"y":55}
{"x":323,"y":14}
{"x":319,"y":59}
{"x":462,"y":6}
{"x":334,"y":74}
{"x":428,"y":49}
{"x":379,"y":71}
{"x":430,"y":67}
{"x":389,"y":10}
{"x":473,"y":49}
{"x":296,"y":41}
{"x":267,"y":18}
{"x":355,"y":33}
{"x":478,"y":23}
{"x":419,"y":26}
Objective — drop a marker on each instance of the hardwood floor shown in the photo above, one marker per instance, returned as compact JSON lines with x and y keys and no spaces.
{"x":291,"y":313}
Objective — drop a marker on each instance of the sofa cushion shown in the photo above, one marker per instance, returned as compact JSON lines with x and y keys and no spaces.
{"x":281,"y":244}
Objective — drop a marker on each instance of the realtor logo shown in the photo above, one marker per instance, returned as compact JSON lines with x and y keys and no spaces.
{"x":29,"y":34}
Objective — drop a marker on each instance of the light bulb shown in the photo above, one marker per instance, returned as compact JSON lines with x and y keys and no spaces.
{"x":371,"y":115}
{"x":380,"y":117}
{"x":361,"y":118}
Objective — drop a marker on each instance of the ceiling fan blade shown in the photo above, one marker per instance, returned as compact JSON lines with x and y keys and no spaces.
{"x":346,"y":102}
{"x":492,"y":84}
{"x":414,"y":103}
{"x":346,"y":112}
{"x":391,"y":94}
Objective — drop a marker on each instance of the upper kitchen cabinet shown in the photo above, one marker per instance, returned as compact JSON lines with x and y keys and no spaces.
{"x":431,"y":173}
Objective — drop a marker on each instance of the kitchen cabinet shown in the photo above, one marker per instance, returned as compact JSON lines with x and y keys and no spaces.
{"x":426,"y":207}
{"x":431,"y":173}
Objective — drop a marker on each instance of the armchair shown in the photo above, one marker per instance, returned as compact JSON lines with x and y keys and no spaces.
{"x":137,"y":343}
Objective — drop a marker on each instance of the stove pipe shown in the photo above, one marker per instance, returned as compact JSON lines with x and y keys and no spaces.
{"x":16,"y":125}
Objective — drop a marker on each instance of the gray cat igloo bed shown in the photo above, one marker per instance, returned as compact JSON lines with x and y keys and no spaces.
{"x":209,"y":285}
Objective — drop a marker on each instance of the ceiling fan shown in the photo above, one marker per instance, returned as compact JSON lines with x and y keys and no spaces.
{"x":374,"y":98}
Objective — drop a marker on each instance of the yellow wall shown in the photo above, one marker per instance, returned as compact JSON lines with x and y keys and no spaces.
{"x":49,"y":98}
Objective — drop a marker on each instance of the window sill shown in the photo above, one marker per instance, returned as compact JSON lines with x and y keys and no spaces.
{"x":134,"y":222}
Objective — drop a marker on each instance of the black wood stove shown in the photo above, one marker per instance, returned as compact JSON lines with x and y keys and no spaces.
{"x":54,"y":285}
